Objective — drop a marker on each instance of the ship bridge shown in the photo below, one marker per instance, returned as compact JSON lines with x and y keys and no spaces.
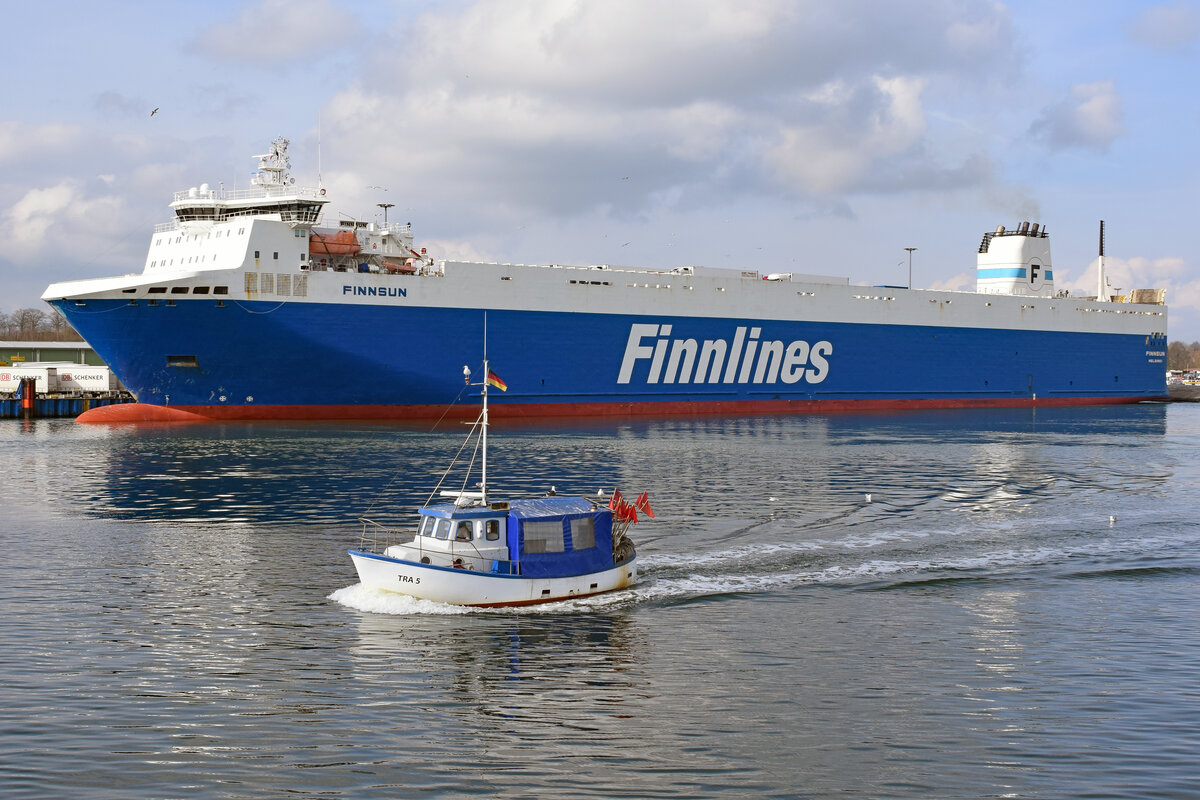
{"x":272,"y":191}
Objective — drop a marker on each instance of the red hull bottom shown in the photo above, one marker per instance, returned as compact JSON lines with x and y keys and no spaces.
{"x":143,"y":412}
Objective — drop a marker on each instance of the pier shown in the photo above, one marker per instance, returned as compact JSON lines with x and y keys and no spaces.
{"x":57,"y":405}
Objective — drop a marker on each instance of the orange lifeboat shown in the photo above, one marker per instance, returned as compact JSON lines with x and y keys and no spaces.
{"x":403,"y":268}
{"x":342,"y":243}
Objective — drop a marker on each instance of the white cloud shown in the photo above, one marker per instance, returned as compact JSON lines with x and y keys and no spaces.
{"x":57,"y":218}
{"x":1091,"y":117}
{"x":962,"y":282}
{"x":849,"y":132}
{"x":1167,"y":28}
{"x":546,"y":106}
{"x":275,"y":31}
{"x":19,"y":141}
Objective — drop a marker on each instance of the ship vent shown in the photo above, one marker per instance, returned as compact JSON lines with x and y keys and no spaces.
{"x":283,"y":285}
{"x":251,"y":283}
{"x":300,"y":286}
{"x":266,"y":283}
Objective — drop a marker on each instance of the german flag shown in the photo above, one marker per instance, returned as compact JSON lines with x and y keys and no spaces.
{"x":494,"y":380}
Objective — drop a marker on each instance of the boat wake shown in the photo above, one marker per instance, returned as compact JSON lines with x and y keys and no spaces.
{"x":748,"y":570}
{"x":378,"y":601}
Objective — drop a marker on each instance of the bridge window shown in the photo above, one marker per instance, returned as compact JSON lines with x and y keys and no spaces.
{"x":492,"y":530}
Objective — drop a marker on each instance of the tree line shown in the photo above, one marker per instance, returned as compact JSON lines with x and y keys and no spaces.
{"x":1183,"y":356}
{"x":35,"y":325}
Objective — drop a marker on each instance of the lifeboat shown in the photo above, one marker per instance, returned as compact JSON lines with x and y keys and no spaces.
{"x":342,"y":243}
{"x":405,"y":267}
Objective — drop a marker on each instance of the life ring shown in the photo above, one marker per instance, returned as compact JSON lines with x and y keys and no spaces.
{"x":322,"y":193}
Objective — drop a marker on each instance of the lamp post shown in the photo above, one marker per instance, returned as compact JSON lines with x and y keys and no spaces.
{"x":385,"y":207}
{"x":910,"y":252}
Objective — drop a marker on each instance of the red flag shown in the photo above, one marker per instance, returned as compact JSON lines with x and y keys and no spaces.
{"x":616,"y":500}
{"x":643,"y":504}
{"x":626,"y":512}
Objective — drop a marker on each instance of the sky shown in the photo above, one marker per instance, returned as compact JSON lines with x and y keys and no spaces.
{"x":782,"y":136}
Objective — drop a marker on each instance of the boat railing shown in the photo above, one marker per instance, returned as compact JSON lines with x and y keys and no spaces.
{"x":376,"y":537}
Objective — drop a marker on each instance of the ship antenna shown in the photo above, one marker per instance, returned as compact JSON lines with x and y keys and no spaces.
{"x":320,"y":180}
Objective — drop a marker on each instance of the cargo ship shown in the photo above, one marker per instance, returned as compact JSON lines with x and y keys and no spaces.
{"x":247,"y":307}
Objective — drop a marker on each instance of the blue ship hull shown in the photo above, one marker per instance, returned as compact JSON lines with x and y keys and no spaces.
{"x":249,"y":359}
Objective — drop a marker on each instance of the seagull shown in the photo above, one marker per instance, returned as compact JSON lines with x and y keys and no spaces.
{"x":599,"y":493}
{"x":155,"y":111}
{"x":1112,"y":520}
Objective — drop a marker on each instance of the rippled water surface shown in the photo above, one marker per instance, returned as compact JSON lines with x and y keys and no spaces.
{"x":1015,"y":612}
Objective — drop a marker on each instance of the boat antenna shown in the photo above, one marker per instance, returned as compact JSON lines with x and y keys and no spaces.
{"x":320,"y":180}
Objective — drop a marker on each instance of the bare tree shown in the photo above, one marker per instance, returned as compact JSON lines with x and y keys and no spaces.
{"x":61,"y":330}
{"x":35,"y":325}
{"x":29,"y":323}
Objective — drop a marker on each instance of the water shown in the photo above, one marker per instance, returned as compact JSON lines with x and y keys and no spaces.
{"x":180,"y":618}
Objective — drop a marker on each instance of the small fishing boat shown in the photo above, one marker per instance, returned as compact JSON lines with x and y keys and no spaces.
{"x":469,"y":549}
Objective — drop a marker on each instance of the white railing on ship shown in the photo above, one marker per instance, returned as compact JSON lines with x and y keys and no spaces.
{"x":253,"y":193}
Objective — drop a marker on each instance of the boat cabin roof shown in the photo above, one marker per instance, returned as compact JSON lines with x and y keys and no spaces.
{"x":528,"y":508}
{"x":535,"y":507}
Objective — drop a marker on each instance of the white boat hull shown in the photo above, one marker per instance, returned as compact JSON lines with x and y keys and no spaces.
{"x":469,"y":588}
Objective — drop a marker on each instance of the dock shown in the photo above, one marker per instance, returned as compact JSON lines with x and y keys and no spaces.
{"x":45,"y":405}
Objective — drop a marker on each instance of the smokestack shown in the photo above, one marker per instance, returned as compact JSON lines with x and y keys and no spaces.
{"x":1101,"y":283}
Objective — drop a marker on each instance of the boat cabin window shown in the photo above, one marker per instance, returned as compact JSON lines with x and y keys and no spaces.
{"x":463,"y":534}
{"x":443,"y":529}
{"x":426,"y":528}
{"x":583,"y":533}
{"x":544,"y":537}
{"x":492,"y":529}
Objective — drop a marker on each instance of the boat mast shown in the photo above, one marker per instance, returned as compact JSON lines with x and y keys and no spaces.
{"x":484,"y":418}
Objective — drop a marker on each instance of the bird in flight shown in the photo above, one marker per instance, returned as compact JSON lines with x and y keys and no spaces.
{"x":155,"y":111}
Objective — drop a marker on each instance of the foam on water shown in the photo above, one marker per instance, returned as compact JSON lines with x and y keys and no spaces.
{"x":746,"y":570}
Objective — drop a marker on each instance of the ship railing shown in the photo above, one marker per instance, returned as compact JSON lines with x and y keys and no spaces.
{"x":399,"y":228}
{"x":254,"y":193}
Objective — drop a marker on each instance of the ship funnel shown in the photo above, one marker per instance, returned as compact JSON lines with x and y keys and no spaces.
{"x":1015,"y":262}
